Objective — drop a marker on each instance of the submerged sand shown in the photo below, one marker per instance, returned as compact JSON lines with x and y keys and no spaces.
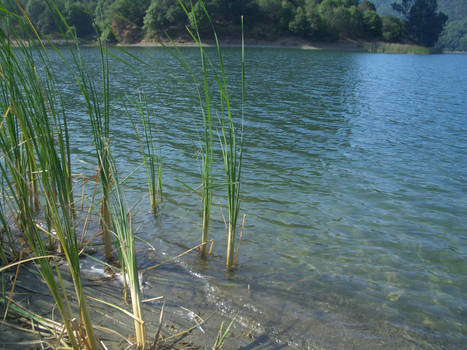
{"x":190,"y":319}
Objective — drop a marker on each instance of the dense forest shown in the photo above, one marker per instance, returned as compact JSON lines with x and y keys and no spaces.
{"x":410,"y":21}
{"x":454,"y":35}
{"x":455,"y":9}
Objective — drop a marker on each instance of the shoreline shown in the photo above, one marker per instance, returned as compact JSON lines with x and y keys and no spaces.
{"x":282,"y":43}
{"x":346,"y":45}
{"x":190,"y":320}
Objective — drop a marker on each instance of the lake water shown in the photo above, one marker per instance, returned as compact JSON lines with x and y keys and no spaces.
{"x":354,"y":186}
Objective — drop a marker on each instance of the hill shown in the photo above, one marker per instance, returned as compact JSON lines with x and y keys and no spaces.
{"x":455,"y":9}
{"x":454,"y":36}
{"x":130,"y":21}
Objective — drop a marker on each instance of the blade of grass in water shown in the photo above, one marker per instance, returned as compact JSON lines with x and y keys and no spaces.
{"x":122,"y":226}
{"x":152,"y":162}
{"x":232,"y":153}
{"x":207,"y":147}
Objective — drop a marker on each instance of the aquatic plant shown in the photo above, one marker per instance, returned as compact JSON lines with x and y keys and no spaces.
{"x":35,"y":145}
{"x":98,"y":109}
{"x":231,"y":140}
{"x":382,"y":47}
{"x":115,"y":218}
{"x":152,"y":162}
{"x":230,"y":134}
{"x":206,"y":113}
{"x":122,"y":226}
{"x":35,"y":168}
{"x":222,"y":335}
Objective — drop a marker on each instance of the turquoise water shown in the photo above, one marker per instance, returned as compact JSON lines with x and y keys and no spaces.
{"x":354,"y":186}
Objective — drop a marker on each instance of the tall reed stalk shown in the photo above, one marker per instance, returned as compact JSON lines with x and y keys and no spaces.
{"x":121,"y":222}
{"x":37,"y":141}
{"x":230,"y":134}
{"x":152,"y":162}
{"x":115,"y":218}
{"x":206,"y":112}
{"x":231,"y":140}
{"x":98,"y":109}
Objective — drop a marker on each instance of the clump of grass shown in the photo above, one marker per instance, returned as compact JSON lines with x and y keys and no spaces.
{"x":381,"y":47}
{"x":98,"y":108}
{"x":115,"y":218}
{"x":230,"y":134}
{"x":97,"y":101}
{"x":222,"y":335}
{"x":231,"y":140}
{"x":35,"y":148}
{"x":121,"y":222}
{"x":206,"y":113}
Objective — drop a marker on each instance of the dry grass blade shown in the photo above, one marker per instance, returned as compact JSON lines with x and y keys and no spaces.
{"x":171,"y":260}
{"x":187,"y":331}
{"x":152,"y":299}
{"x":10,"y":296}
{"x":156,"y":338}
{"x":134,"y":317}
{"x":240,"y":239}
{"x":27,"y":260}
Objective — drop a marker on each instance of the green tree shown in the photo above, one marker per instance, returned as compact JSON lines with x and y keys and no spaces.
{"x":279,"y":12}
{"x":79,"y":16}
{"x":393,"y":28}
{"x":342,"y":18}
{"x":41,"y":16}
{"x":132,"y":11}
{"x":424,"y":22}
{"x":307,"y":21}
{"x":372,"y":24}
{"x":163,"y":14}
{"x":299,"y":24}
{"x":316,"y":25}
{"x":454,"y":36}
{"x":366,"y":5}
{"x":230,"y":11}
{"x":198,"y":14}
{"x":403,"y":7}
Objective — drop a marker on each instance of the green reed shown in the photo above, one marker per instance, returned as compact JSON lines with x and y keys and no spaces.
{"x":35,"y":149}
{"x":115,"y":218}
{"x":123,"y":230}
{"x":231,"y":140}
{"x":98,"y":109}
{"x":230,"y":128}
{"x":152,"y":162}
{"x":206,"y":113}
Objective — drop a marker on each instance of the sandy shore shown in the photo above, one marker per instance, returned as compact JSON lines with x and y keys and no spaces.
{"x":190,"y":318}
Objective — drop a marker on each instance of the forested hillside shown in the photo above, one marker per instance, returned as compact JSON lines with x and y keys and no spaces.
{"x":318,"y":20}
{"x":455,"y":9}
{"x":454,"y":36}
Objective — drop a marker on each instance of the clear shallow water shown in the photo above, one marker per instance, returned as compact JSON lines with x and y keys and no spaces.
{"x":354,"y":185}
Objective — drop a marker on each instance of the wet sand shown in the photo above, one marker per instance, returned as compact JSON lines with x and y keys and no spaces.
{"x":187,"y":307}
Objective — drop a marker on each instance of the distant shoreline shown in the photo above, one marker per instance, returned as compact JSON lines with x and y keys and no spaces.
{"x":347,"y":45}
{"x":289,"y":43}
